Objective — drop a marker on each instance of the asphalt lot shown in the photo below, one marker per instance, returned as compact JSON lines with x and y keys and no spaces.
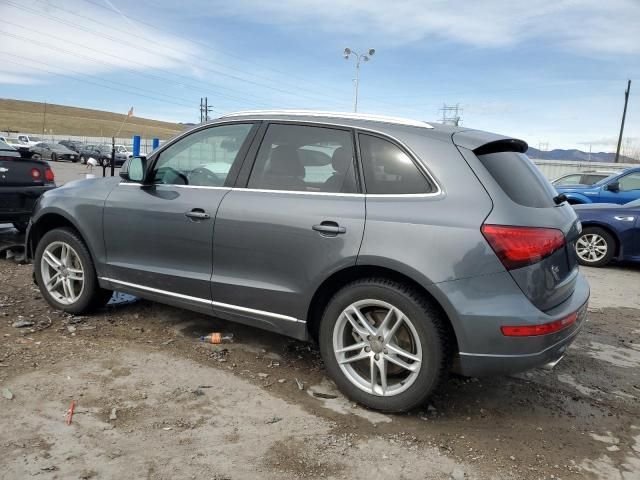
{"x":153,"y":402}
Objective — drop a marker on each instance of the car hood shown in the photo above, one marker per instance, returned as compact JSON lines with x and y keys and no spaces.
{"x":595,"y":206}
{"x":572,"y":188}
{"x":93,"y":185}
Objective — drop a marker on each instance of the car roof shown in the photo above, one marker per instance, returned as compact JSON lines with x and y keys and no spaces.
{"x":464,"y":137}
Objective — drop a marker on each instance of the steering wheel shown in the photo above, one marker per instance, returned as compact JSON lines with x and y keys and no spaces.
{"x":168,"y":171}
{"x":204,"y":177}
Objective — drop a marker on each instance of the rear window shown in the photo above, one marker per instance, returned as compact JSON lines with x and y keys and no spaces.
{"x":519,"y":178}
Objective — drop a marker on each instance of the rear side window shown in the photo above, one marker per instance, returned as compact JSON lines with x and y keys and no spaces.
{"x":630,"y":182}
{"x":519,"y":178}
{"x":388,"y":170}
{"x":305,"y":159}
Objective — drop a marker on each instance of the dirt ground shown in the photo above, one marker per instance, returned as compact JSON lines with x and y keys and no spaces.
{"x":152,"y":402}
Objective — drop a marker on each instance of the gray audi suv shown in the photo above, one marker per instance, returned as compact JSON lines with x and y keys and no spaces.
{"x":405,"y":250}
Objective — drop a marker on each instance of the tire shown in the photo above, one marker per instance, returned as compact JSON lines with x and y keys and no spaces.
{"x":54,"y":157}
{"x":595,"y":247}
{"x":36,"y":156}
{"x":88,"y":296}
{"x":83,"y":160}
{"x":424,"y":333}
{"x":20,"y":226}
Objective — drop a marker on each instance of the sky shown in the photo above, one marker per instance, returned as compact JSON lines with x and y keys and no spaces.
{"x":551,"y":72}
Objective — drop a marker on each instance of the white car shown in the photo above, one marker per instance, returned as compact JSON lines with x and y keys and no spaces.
{"x":28,"y":140}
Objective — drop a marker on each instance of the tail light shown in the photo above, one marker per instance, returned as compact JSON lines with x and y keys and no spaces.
{"x":521,"y":246}
{"x":542,"y":329}
{"x":35,"y":174}
{"x":48,"y":175}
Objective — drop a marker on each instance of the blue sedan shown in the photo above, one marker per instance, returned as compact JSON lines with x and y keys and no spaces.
{"x":609,"y":231}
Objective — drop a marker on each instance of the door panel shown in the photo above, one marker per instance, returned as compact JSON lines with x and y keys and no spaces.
{"x":267,"y":255}
{"x":150,"y":241}
{"x":160,"y":236}
{"x":301,"y":220}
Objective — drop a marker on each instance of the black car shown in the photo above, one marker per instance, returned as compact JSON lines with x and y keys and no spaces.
{"x":22,"y":181}
{"x":72,"y":145}
{"x":102,"y":154}
{"x":53,"y":152}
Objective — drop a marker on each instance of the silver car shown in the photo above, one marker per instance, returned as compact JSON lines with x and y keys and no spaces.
{"x":405,"y":250}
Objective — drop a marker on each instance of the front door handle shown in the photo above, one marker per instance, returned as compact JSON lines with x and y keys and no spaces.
{"x":329,"y":228}
{"x":198,"y":214}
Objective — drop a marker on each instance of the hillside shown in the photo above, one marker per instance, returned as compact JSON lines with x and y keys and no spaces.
{"x":27,"y":117}
{"x":576,"y":155}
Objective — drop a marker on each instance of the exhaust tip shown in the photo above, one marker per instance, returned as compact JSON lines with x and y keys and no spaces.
{"x":550,"y":365}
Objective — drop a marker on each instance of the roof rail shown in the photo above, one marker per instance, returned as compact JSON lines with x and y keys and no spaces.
{"x":319,"y":113}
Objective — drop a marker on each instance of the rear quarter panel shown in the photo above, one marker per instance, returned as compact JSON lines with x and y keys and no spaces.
{"x":431,"y":238}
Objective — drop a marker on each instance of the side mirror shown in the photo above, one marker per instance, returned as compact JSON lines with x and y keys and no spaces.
{"x":133,"y":169}
{"x":613,"y":187}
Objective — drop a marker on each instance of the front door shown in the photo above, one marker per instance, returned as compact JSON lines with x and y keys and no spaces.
{"x":159,"y":237}
{"x":300,"y":218}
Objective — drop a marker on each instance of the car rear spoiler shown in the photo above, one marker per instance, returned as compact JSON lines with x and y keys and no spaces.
{"x":482,"y":143}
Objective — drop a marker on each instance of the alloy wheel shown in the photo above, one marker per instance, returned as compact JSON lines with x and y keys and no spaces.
{"x":62,"y":272}
{"x":377,"y":347}
{"x":591,"y":247}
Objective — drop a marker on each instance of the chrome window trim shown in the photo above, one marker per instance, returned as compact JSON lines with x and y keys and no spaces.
{"x":295,"y":192}
{"x":202,"y":300}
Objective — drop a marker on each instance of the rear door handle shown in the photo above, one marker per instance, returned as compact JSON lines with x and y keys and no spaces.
{"x":329,"y":228}
{"x":198,"y":214}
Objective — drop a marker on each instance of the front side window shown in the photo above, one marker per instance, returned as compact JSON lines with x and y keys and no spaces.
{"x":630,"y":182}
{"x":305,"y":159}
{"x":203,"y":158}
{"x":388,"y":170}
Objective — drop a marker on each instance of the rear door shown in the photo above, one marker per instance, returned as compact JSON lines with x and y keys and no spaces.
{"x":296,"y":217}
{"x":159,"y":237}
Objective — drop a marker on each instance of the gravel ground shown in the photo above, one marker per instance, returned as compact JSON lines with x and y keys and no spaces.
{"x":153,"y":402}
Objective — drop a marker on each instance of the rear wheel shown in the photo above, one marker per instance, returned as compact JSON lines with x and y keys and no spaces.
{"x":54,"y":157}
{"x":595,"y":247}
{"x":83,"y":159}
{"x":65,"y":273}
{"x":36,"y":156}
{"x":384,"y":344}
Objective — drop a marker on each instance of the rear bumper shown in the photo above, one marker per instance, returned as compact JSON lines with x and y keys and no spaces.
{"x":482,"y":305}
{"x":16,"y":203}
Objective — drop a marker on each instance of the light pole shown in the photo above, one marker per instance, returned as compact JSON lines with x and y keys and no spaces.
{"x":365,"y":57}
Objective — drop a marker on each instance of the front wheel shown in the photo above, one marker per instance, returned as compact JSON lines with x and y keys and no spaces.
{"x":384,"y":344}
{"x":595,"y":247}
{"x":65,"y":273}
{"x":54,"y":157}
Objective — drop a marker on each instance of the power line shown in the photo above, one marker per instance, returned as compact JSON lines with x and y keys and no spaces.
{"x":88,"y":81}
{"x":138,"y":47}
{"x":136,"y":72}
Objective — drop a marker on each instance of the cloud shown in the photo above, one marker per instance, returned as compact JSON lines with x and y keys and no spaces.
{"x":42,"y":37}
{"x":586,"y":26}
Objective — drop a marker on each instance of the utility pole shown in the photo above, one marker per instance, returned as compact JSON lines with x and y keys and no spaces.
{"x":624,"y":114}
{"x":44,"y":117}
{"x":205,"y":109}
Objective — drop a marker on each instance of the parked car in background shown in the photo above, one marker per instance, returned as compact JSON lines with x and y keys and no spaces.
{"x":102,"y":154}
{"x":582,"y":178}
{"x":74,"y":145}
{"x":621,"y":188}
{"x":53,"y":152}
{"x":29,"y":140}
{"x":124,"y":150}
{"x":463,"y":260}
{"x":22,"y":181}
{"x":24,"y":150}
{"x":609,"y":232}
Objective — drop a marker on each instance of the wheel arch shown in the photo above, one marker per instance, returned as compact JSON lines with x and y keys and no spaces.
{"x":342,"y":277}
{"x":46,"y":222}
{"x":609,"y":230}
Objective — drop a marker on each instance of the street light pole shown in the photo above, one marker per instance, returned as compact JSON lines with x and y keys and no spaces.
{"x":365,"y":57}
